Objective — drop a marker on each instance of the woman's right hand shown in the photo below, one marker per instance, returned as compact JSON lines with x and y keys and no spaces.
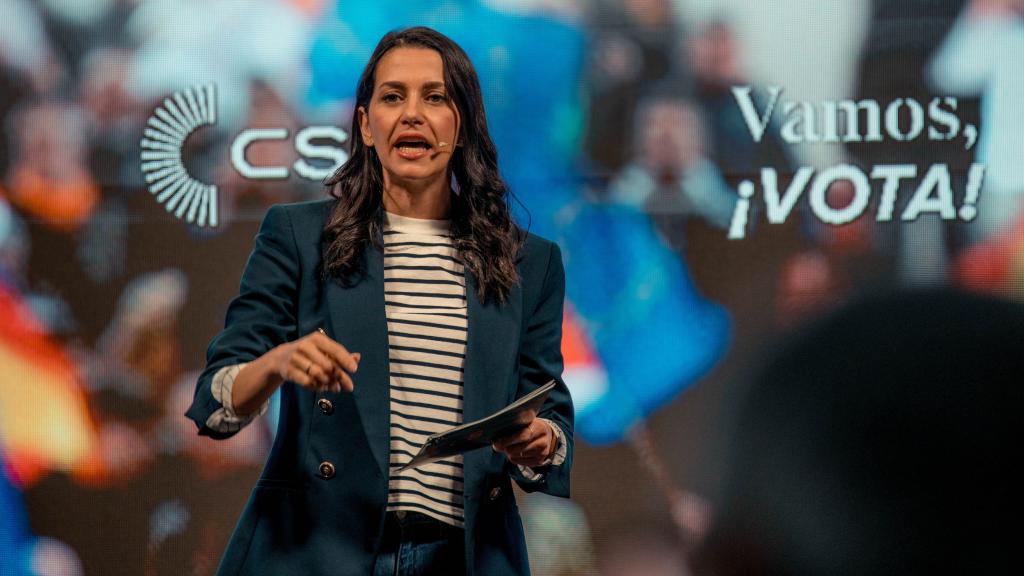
{"x":317,"y":362}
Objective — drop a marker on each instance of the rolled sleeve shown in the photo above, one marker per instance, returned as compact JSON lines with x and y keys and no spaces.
{"x":556,"y":459}
{"x":261,"y":317}
{"x":225,"y":420}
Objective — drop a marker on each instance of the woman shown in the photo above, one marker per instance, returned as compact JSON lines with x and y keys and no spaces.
{"x":396,"y":309}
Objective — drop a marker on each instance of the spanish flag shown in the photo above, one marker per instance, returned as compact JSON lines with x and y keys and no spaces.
{"x":44,"y":417}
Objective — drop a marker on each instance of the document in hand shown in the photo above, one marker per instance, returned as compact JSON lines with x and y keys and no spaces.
{"x":483,"y":432}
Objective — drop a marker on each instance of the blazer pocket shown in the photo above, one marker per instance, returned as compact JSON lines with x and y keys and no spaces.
{"x":282,"y":527}
{"x":279,"y":483}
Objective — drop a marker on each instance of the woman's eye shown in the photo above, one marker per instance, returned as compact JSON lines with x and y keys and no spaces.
{"x":437,"y":98}
{"x":390,"y":97}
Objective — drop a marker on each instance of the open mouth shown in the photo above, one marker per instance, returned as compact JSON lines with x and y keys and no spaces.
{"x":412,"y":147}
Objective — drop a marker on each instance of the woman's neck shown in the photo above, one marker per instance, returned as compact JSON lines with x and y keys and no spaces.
{"x":431,"y":201}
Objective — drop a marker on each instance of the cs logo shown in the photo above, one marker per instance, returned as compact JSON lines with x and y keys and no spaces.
{"x":187,"y":198}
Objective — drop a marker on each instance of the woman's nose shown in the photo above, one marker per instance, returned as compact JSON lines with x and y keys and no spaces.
{"x":412,"y":112}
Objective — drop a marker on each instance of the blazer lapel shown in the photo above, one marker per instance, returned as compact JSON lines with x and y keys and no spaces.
{"x":359,"y":323}
{"x":490,"y":358}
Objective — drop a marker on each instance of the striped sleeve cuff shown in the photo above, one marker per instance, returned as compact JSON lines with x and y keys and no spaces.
{"x":224,"y":419}
{"x":555,"y":460}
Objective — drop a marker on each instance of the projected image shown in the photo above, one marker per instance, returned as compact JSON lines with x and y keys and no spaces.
{"x":716,"y":174}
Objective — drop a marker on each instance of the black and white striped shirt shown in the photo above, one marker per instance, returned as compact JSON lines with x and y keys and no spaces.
{"x":425,"y":304}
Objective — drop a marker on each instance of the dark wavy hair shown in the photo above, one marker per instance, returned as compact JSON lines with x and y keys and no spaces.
{"x":483,"y":231}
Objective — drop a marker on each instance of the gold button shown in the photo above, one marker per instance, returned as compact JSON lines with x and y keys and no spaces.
{"x":495,"y":492}
{"x":325,"y":406}
{"x":327,"y":470}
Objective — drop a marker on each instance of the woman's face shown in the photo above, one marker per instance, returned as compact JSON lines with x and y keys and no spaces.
{"x":411,"y":121}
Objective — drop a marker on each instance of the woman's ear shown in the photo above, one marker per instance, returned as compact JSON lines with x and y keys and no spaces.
{"x":364,"y":127}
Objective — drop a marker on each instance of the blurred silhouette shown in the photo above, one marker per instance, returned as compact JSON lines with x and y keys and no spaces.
{"x":893,"y":59}
{"x":983,"y":55}
{"x":879,"y":441}
{"x":633,"y":43}
{"x":669,"y":176}
{"x":716,"y":59}
{"x":49,"y":177}
{"x":51,"y":188}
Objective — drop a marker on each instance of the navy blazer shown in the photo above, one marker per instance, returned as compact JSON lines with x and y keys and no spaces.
{"x":298,"y":521}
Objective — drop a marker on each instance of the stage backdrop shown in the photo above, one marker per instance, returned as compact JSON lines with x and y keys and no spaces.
{"x":716,"y":173}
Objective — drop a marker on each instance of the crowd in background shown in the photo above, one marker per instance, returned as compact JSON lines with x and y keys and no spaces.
{"x":128,"y":296}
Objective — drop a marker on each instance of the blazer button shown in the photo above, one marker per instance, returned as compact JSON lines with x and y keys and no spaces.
{"x":494,"y":493}
{"x":325,"y":406}
{"x":326,"y":470}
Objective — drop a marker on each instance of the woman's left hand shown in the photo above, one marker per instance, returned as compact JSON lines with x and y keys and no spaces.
{"x":531,"y":446}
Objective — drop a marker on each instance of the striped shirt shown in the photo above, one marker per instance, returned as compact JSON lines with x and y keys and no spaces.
{"x":425,"y":305}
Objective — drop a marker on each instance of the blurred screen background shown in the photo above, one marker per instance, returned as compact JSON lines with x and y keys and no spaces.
{"x":626,"y":129}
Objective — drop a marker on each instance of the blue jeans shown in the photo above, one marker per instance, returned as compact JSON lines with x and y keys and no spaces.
{"x":416,"y":545}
